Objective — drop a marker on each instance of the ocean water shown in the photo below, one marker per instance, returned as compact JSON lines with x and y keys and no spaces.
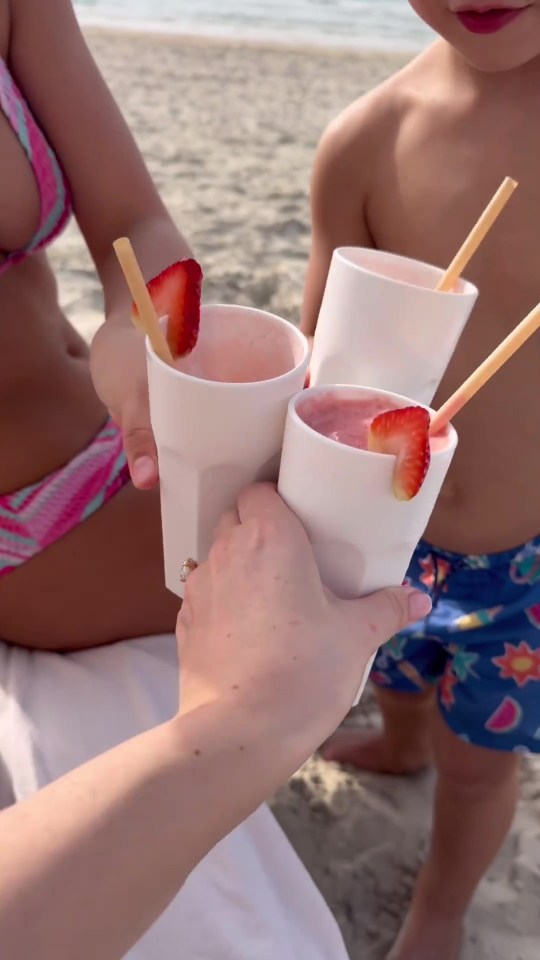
{"x":372,"y":24}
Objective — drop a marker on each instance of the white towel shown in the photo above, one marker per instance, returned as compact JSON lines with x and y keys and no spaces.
{"x":251,"y":898}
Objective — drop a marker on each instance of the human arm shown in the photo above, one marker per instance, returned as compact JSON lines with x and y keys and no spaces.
{"x":270,"y":665}
{"x":89,"y":863}
{"x":339,"y":193}
{"x":113,"y":196}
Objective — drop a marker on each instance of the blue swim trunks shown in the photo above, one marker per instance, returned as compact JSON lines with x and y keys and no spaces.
{"x":480,"y":644}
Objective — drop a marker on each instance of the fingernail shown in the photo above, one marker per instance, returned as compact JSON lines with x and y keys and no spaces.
{"x":419,"y":605}
{"x":144,"y":471}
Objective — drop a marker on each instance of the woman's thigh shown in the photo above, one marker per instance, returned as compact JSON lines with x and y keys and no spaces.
{"x":100,"y":583}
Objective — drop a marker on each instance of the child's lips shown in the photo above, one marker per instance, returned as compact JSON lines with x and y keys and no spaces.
{"x":488,"y":21}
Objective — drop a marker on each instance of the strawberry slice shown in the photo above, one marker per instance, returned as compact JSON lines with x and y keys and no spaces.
{"x":176,"y":293}
{"x":405,"y":434}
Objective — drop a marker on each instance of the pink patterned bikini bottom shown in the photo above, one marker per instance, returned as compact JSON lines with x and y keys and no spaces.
{"x":35,"y":517}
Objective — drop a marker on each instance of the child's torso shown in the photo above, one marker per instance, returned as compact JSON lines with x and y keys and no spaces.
{"x":446,"y":160}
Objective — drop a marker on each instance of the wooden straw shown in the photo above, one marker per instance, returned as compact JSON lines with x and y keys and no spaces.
{"x":477,"y":234}
{"x":485,"y":371}
{"x":148,"y":322}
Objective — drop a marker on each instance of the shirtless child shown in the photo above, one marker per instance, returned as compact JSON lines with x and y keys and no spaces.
{"x":408,"y":169}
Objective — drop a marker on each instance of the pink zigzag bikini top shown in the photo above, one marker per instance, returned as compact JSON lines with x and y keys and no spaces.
{"x":55,"y":199}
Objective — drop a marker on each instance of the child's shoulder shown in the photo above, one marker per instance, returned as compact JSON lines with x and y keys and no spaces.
{"x":372,"y":121}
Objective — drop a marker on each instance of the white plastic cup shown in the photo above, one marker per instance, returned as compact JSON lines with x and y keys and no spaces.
{"x":217,"y":436}
{"x":363,"y":537}
{"x":382,"y":324}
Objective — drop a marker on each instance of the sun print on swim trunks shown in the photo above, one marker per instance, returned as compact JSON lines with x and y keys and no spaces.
{"x":519,"y":663}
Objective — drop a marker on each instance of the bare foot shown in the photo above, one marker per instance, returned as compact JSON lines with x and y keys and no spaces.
{"x":369,"y":750}
{"x":431,"y":939}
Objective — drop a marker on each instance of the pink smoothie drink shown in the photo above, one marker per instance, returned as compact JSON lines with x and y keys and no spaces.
{"x":342,"y":420}
{"x":239,"y":345}
{"x":362,"y":535}
{"x":218,"y":418}
{"x":348,"y":421}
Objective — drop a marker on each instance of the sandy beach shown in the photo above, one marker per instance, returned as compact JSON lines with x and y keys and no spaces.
{"x":229,"y":133}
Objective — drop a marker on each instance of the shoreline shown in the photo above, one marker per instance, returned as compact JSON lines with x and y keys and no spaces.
{"x":379,"y":63}
{"x":300,"y":43}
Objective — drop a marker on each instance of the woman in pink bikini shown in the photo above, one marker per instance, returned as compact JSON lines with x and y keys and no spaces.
{"x":80,"y":546}
{"x":64,"y":479}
